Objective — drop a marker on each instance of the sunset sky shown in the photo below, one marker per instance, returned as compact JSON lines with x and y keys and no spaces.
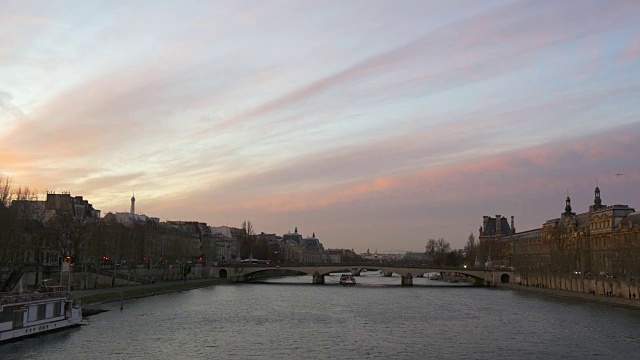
{"x":374,"y":124}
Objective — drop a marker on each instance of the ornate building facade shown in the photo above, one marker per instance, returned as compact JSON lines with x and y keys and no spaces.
{"x":297,"y":249}
{"x":601,"y":241}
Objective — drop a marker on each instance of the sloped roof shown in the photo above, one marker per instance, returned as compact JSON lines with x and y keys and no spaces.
{"x":490,"y":228}
{"x":311,"y":242}
{"x":293,"y":237}
{"x":633,"y":218}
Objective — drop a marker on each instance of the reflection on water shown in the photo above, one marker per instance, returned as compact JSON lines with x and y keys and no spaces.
{"x":377,"y":319}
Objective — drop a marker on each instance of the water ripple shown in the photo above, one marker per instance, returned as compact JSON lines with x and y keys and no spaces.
{"x":381,"y":321}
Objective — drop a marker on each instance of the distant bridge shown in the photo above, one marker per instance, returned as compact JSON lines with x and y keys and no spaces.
{"x":246,"y":272}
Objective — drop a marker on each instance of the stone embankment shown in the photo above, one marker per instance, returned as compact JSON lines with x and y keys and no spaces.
{"x":596,"y":298}
{"x":92,"y":298}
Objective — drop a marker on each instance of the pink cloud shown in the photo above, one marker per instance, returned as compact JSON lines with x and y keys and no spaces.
{"x":480,"y":178}
{"x":631,"y":53}
{"x":29,"y":20}
{"x":445,"y":200}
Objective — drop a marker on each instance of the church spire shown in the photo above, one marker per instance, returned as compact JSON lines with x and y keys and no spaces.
{"x":133,"y":203}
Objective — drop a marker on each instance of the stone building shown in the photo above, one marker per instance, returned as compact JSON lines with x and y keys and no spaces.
{"x":494,"y":242}
{"x":295,"y":248}
{"x":75,"y":207}
{"x":603,"y":240}
{"x":195,"y":237}
{"x":57,"y":211}
{"x":227,"y":242}
{"x":335,"y":255}
{"x":131,"y":218}
{"x":416,"y":258}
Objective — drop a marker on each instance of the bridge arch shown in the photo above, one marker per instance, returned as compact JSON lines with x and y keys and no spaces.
{"x":246,"y":273}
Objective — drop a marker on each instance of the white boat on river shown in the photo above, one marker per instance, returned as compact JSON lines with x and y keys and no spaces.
{"x":34,"y":313}
{"x":347,"y":279}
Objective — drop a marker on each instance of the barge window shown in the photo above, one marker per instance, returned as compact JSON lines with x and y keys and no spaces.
{"x":6,"y":315}
{"x":42,"y":311}
{"x":56,"y":309}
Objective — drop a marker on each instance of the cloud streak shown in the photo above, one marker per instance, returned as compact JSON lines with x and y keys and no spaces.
{"x":364,"y":122}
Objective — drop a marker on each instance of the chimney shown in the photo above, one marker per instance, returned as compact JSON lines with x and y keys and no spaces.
{"x":498,"y":225}
{"x":513,"y":227}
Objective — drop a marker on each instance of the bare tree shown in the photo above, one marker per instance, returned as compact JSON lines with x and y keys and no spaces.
{"x":260,"y":247}
{"x":631,"y":259}
{"x":247,"y":227}
{"x":247,"y":241}
{"x":470,"y":250}
{"x":70,"y":235}
{"x":209,"y":250}
{"x":23,"y":236}
{"x":442,"y":249}
{"x":5,"y":191}
{"x":31,"y":221}
{"x":561,"y":253}
{"x":431,"y":248}
{"x":9,"y":241}
{"x":438,"y":250}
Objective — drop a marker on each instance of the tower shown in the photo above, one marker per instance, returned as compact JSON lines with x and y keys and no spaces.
{"x":567,"y":208}
{"x":597,"y":202}
{"x":133,"y":204}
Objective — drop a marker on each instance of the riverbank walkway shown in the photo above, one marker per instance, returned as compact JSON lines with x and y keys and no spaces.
{"x":602,"y":299}
{"x":92,"y":297}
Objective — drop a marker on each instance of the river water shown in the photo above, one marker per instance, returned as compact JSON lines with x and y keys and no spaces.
{"x":288,"y":318}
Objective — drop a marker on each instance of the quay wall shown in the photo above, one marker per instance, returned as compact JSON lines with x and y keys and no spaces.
{"x":91,"y":280}
{"x":94,"y":297}
{"x":598,"y":285}
{"x":573,"y":295}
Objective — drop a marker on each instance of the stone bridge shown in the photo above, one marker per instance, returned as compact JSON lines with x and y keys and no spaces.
{"x":246,"y":272}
